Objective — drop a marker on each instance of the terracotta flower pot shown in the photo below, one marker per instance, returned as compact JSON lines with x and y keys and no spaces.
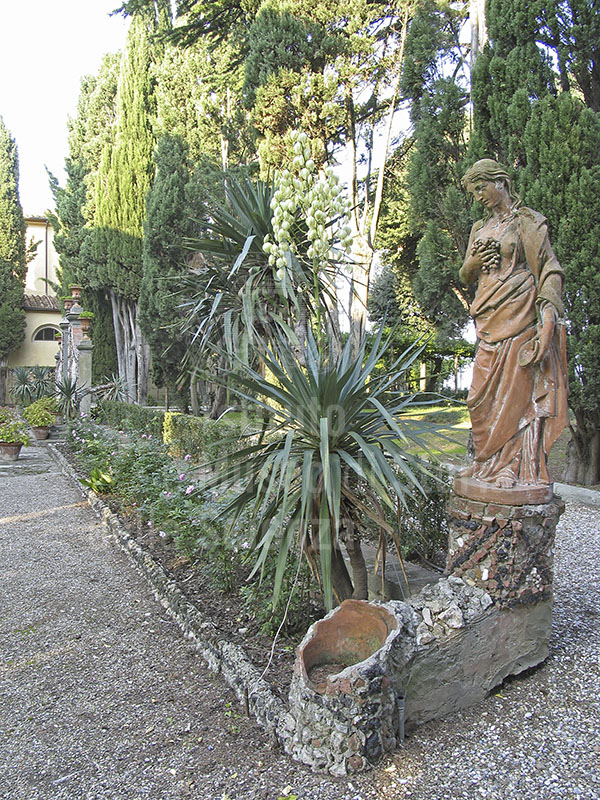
{"x":41,"y":431}
{"x":75,"y":292}
{"x":86,"y":323}
{"x":9,"y":451}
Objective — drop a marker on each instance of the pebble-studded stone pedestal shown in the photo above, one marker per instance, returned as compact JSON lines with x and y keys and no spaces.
{"x":503,"y":548}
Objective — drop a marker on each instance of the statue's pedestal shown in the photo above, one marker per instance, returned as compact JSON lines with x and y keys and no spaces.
{"x":502,"y":540}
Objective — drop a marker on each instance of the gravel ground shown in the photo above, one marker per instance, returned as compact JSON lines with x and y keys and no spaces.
{"x":102,"y":698}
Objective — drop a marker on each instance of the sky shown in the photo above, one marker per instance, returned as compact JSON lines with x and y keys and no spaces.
{"x":46,"y":47}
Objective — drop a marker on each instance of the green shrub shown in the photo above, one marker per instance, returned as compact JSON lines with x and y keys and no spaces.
{"x":131,"y":417}
{"x":6,"y":414}
{"x":13,"y":431}
{"x":48,"y":403}
{"x":200,"y":438}
{"x":296,"y":616}
{"x":423,"y":526}
{"x":38,"y":415}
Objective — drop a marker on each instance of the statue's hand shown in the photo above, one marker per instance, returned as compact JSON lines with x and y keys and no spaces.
{"x":546,"y":328}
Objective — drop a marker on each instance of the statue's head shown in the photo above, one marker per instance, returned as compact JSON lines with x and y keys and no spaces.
{"x":486,"y":169}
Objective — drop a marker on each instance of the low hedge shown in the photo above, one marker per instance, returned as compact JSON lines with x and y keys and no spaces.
{"x":201,"y":438}
{"x":131,"y":417}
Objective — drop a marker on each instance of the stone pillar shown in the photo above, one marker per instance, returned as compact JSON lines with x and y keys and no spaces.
{"x":65,"y":327}
{"x":85,"y":348}
{"x":75,"y":336}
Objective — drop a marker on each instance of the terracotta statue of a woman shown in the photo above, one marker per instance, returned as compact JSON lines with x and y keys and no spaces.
{"x":518,"y":397}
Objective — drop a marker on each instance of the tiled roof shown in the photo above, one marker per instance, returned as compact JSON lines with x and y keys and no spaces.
{"x":40,"y":302}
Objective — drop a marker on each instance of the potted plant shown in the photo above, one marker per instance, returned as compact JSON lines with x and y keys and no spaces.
{"x":50,"y":403}
{"x":75,"y":292}
{"x":86,"y":318}
{"x":39,"y":418}
{"x":13,"y":435}
{"x":67,"y":302}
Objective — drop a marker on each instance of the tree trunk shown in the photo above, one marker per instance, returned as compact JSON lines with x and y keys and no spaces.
{"x":423,"y":377}
{"x":142,"y":351}
{"x":2,"y":381}
{"x":340,"y":577}
{"x":583,"y":453}
{"x":359,"y":568}
{"x":478,"y":28}
{"x":433,"y":379}
{"x":362,"y":258}
{"x":123,"y":321}
{"x":219,"y":403}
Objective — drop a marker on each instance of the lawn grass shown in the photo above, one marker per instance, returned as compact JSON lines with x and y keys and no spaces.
{"x":448,"y":442}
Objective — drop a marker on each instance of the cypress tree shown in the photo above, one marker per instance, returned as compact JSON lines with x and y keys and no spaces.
{"x":89,"y":131}
{"x":508,"y":77}
{"x":164,"y":258}
{"x":122,"y":185}
{"x":427,"y":249}
{"x":562,"y":177}
{"x":13,"y":261}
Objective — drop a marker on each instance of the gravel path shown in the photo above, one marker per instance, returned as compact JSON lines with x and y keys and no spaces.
{"x":102,"y":698}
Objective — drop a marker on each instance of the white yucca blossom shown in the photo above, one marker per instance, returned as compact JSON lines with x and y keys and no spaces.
{"x":314,"y":196}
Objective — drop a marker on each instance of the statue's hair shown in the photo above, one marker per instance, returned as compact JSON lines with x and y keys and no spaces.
{"x":489,"y":170}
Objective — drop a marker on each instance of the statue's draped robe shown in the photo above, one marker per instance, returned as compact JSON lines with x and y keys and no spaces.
{"x":517,"y":412}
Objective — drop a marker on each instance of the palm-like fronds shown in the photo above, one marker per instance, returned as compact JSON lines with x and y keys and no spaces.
{"x":335,"y":434}
{"x":235,"y":297}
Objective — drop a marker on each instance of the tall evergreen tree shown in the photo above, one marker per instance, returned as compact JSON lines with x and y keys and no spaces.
{"x":332,"y":71}
{"x":562,"y":177}
{"x":13,"y":261}
{"x":122,"y":186}
{"x":509,"y":76}
{"x":426,"y":224}
{"x":164,"y":258}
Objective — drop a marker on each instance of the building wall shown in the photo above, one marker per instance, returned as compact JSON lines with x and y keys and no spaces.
{"x":32,"y":353}
{"x":45,"y":263}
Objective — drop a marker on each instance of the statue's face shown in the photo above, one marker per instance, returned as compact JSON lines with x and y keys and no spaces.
{"x":489,"y":193}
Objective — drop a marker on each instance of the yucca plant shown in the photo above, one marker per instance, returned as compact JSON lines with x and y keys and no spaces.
{"x":334,"y":451}
{"x":22,"y":390}
{"x":234,"y":297}
{"x":69,"y":397}
{"x":42,"y":380}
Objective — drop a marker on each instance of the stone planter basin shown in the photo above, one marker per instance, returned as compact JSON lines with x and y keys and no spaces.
{"x":346,"y":702}
{"x":355,"y":631}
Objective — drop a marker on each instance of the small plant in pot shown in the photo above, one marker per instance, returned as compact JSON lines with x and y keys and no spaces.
{"x":40,"y":419}
{"x":86,"y":318}
{"x":50,"y":404}
{"x":13,"y":435}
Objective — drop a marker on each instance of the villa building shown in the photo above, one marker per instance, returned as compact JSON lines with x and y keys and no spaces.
{"x":43,"y":310}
